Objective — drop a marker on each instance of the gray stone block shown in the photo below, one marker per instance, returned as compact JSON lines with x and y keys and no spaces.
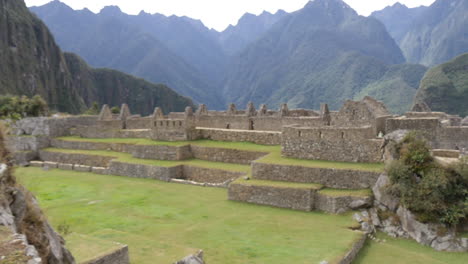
{"x":99,"y":170}
{"x":82,"y":168}
{"x":50,"y":164}
{"x":36,"y":163}
{"x":65,"y":166}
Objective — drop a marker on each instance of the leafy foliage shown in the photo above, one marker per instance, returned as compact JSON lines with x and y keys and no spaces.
{"x":434,"y":193}
{"x":93,"y":110}
{"x":15,"y":107}
{"x":115,"y":110}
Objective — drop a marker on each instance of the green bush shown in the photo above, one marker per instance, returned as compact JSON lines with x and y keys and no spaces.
{"x":93,"y":110}
{"x":115,"y":110}
{"x":435,"y":193}
{"x":15,"y":107}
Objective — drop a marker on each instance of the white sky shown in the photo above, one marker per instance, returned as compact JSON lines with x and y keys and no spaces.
{"x":218,"y":14}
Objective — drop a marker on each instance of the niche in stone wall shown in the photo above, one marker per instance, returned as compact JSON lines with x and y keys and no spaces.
{"x":251,"y":125}
{"x":342,"y":134}
{"x":228,"y":126}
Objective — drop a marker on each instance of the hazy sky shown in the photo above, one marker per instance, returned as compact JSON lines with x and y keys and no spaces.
{"x":219,"y":14}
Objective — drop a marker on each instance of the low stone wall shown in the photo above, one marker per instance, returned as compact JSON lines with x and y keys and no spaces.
{"x":109,"y":132}
{"x":339,"y":204}
{"x":332,"y":178}
{"x":23,"y":157}
{"x":258,"y":137}
{"x":26,"y":143}
{"x":158,"y":152}
{"x":205,"y":175}
{"x":225,"y":155}
{"x":119,"y":256}
{"x":145,"y":171}
{"x":74,"y":158}
{"x":161,"y":152}
{"x":50,"y":126}
{"x":297,"y":199}
{"x":349,"y":257}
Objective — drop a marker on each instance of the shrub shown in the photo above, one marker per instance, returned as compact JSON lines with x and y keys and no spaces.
{"x":14,"y":107}
{"x":115,"y":110}
{"x":434,"y":193}
{"x":93,"y":110}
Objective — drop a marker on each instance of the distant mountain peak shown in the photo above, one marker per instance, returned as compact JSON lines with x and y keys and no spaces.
{"x":111,"y":11}
{"x":329,"y":5}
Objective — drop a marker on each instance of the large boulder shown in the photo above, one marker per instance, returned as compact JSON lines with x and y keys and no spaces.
{"x":382,"y":196}
{"x":435,"y":235}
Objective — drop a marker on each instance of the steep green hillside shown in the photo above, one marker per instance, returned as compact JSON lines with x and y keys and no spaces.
{"x":397,"y":87}
{"x":322,"y":53}
{"x":445,"y":87}
{"x":31,"y":63}
{"x":169,"y":50}
{"x":439,"y":34}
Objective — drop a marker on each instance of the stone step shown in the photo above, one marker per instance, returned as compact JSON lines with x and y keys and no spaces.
{"x":298,"y":196}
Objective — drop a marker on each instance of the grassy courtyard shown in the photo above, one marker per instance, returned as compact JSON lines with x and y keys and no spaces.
{"x":162,"y":222}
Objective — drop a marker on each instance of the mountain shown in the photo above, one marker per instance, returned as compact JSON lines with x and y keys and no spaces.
{"x":438,"y":34}
{"x":325,"y":52}
{"x":445,"y":87}
{"x":398,"y":19}
{"x":32,"y":63}
{"x":248,"y":29}
{"x":134,"y":44}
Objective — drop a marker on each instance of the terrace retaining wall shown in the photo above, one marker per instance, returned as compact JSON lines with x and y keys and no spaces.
{"x":205,"y":175}
{"x":145,"y":171}
{"x":75,"y":158}
{"x":293,"y":198}
{"x":119,"y":256}
{"x":225,"y":155}
{"x":258,"y":137}
{"x":332,"y":178}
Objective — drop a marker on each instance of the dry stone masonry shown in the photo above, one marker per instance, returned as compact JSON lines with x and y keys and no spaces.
{"x":360,"y":132}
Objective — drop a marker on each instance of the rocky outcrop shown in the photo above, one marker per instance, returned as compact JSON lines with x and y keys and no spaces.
{"x":192,"y":259}
{"x":389,"y":216}
{"x":20,"y":213}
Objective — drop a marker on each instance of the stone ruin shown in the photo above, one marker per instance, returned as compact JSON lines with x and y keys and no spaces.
{"x":358,"y":132}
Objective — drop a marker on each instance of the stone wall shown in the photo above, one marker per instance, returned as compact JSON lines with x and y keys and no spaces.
{"x":26,"y":143}
{"x":139,"y":123}
{"x":105,"y":132}
{"x":298,"y":199}
{"x":428,"y":126}
{"x":74,"y":158}
{"x":119,"y":256}
{"x":453,"y":138}
{"x":159,"y":152}
{"x":224,"y":121}
{"x":205,"y":175}
{"x":225,"y":155}
{"x":145,"y":171}
{"x":332,"y":178}
{"x":50,"y":126}
{"x":339,"y":204}
{"x":349,"y":257}
{"x":331,"y":143}
{"x":258,"y":137}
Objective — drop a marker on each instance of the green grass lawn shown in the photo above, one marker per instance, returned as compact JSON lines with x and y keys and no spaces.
{"x":162,"y":222}
{"x":126,"y":157}
{"x":86,"y":248}
{"x":404,"y":251}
